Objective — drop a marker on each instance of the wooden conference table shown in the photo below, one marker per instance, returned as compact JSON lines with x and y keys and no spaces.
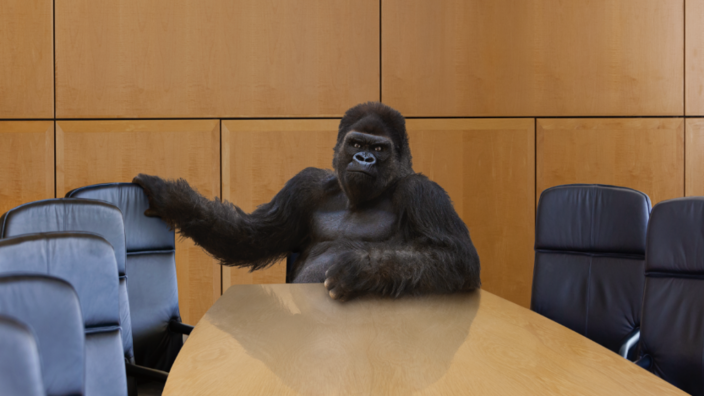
{"x":293,"y":339}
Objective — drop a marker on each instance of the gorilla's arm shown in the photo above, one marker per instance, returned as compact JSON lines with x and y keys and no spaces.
{"x":432,"y":252}
{"x":229,"y":234}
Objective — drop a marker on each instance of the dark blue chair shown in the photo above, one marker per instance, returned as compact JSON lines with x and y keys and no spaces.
{"x":672,"y":332}
{"x":81,"y":215}
{"x":20,"y":366}
{"x":589,"y":260}
{"x":151,"y":269}
{"x":87,"y":263}
{"x":50,"y":308}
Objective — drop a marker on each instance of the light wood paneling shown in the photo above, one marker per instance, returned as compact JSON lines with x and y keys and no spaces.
{"x":26,"y":59}
{"x":533,"y":58}
{"x":215,"y":58}
{"x":694,"y":57}
{"x":90,"y":152}
{"x":258,"y":157}
{"x":290,"y":340}
{"x":487,"y":166}
{"x":646,"y":154}
{"x":694,"y":166}
{"x":27,"y":162}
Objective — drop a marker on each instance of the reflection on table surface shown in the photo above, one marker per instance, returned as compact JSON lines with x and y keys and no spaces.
{"x":293,"y":339}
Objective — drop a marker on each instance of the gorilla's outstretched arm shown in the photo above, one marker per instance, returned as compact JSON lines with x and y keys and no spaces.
{"x":432,"y":254}
{"x":229,"y":234}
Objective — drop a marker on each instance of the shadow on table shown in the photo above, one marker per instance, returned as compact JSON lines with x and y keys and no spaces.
{"x":316,"y":345}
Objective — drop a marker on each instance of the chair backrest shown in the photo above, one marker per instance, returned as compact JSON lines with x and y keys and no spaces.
{"x":50,"y":308}
{"x":151,"y":270}
{"x":84,"y":215}
{"x":589,"y":259}
{"x":87,"y":262}
{"x":20,"y":366}
{"x":672,"y":332}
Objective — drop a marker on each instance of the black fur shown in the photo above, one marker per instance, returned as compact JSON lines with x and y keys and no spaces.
{"x":372,"y":226}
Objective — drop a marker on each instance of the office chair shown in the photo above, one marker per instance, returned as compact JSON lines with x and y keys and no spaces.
{"x":50,"y":308}
{"x":672,"y":330}
{"x":589,"y":260}
{"x":87,"y":262}
{"x":151,"y":269}
{"x":20,"y":367}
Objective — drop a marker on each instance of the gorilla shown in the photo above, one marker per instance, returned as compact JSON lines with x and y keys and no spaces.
{"x":371,"y":226}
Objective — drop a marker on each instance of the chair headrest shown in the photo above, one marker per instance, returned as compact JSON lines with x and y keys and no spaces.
{"x":69,"y":214}
{"x":86,"y":261}
{"x":676,"y":236}
{"x":592,"y":218}
{"x":50,"y":307}
{"x":143,"y":233}
{"x":20,"y":365}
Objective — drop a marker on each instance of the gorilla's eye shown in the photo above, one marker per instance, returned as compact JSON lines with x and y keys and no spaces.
{"x":378,"y":148}
{"x":356,"y":145}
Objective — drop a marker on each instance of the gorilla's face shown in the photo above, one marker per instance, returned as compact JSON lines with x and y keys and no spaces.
{"x":366,"y":165}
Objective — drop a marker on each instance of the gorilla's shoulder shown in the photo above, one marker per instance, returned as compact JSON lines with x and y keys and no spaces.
{"x":419,"y":186}
{"x":314,"y":181}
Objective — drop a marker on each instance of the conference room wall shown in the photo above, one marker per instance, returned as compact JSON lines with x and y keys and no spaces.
{"x":26,"y":59}
{"x":90,"y":152}
{"x":215,"y":58}
{"x":646,"y":154}
{"x":219,"y":59}
{"x":26,"y":162}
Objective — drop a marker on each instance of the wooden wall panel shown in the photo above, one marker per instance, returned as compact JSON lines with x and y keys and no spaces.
{"x":646,"y":154}
{"x":215,"y":58}
{"x":90,"y":152}
{"x":533,"y":58}
{"x":27,"y":162}
{"x":694,"y":155}
{"x":487,"y":166}
{"x":694,"y":57}
{"x":258,"y":157}
{"x":26,"y":59}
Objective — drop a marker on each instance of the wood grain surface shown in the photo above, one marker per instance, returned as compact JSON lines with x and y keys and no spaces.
{"x":694,"y":166}
{"x":90,"y":152}
{"x":487,"y":166}
{"x":215,"y":58}
{"x":258,"y":158}
{"x":26,"y":59}
{"x":646,"y":154}
{"x":534,"y":58}
{"x":694,"y":58}
{"x":27,"y":162}
{"x":295,"y":340}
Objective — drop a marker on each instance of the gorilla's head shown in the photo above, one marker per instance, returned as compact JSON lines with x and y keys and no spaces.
{"x":371,"y":151}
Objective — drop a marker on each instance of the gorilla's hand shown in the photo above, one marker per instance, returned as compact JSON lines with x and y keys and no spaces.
{"x":154,"y":187}
{"x":344,"y":278}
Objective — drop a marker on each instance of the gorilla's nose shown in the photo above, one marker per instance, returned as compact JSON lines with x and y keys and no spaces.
{"x":365,"y":158}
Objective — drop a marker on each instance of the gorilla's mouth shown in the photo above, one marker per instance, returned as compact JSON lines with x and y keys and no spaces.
{"x":360,"y":171}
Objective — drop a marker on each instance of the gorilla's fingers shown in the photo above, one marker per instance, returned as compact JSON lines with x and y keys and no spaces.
{"x":151,"y":186}
{"x":328,"y":283}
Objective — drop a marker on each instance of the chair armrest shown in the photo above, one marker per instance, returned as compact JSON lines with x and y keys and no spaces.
{"x":630,"y":342}
{"x":178,"y":327}
{"x":145,"y":372}
{"x":645,"y":361}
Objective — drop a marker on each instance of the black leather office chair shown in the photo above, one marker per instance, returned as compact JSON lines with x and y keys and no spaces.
{"x":82,"y":215}
{"x":151,"y":269}
{"x":589,"y":260}
{"x":20,"y":366}
{"x":50,"y":308}
{"x":672,"y":332}
{"x":87,"y":262}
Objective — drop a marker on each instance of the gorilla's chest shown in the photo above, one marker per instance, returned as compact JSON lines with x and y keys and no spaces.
{"x":370,"y":224}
